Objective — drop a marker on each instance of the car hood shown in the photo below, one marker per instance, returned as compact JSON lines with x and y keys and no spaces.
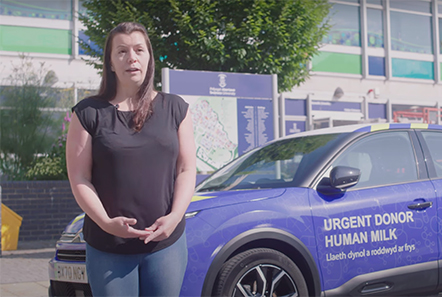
{"x":201,"y":201}
{"x":208,"y":200}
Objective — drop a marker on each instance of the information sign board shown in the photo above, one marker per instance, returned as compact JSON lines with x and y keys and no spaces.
{"x":232,"y":113}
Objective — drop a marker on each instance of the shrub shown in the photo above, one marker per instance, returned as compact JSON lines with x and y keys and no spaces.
{"x":53,"y":165}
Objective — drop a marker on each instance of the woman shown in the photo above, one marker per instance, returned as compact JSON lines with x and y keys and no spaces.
{"x":131,"y":165}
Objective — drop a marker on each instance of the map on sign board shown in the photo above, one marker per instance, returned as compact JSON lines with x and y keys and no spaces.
{"x":232,"y":113}
{"x":215,"y":130}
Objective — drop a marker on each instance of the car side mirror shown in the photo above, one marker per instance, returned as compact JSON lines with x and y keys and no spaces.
{"x":343,"y":177}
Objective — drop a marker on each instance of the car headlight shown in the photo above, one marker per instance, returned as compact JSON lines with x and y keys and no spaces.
{"x":191,"y":214}
{"x":72,"y":237}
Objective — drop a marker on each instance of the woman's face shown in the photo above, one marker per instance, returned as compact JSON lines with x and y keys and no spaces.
{"x":129,"y":59}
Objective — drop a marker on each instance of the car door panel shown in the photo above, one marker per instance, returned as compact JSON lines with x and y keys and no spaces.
{"x":431,"y":142}
{"x":373,"y":230}
{"x":436,"y":225}
{"x":365,"y":234}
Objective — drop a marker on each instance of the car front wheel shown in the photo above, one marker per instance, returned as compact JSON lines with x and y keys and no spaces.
{"x":260,"y":272}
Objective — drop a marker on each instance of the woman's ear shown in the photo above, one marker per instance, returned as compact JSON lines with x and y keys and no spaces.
{"x":112,"y":68}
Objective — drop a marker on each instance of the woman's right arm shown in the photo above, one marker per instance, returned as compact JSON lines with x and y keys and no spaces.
{"x":79,"y":165}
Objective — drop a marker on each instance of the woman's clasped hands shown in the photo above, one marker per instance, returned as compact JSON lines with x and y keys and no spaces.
{"x":122,"y":227}
{"x":162,"y":228}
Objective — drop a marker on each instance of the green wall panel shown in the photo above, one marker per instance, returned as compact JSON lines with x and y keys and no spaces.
{"x":35,"y":40}
{"x":337,"y":62}
{"x":412,"y":68}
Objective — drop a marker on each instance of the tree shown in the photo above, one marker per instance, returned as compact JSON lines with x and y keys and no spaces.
{"x":252,"y":36}
{"x":25,"y":125}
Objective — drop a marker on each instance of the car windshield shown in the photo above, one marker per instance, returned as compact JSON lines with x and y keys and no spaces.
{"x":277,"y":165}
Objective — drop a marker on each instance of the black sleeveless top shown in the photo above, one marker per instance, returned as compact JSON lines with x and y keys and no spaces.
{"x":133,"y":173}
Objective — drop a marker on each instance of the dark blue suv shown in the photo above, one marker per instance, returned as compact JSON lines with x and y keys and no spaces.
{"x":346,"y":211}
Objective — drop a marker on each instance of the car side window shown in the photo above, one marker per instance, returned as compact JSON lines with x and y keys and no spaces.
{"x":384,"y":158}
{"x":434,"y":144}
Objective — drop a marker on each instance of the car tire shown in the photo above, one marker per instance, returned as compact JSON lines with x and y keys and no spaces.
{"x":260,"y":272}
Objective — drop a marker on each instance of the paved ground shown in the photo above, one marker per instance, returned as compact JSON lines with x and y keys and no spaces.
{"x":24,"y":272}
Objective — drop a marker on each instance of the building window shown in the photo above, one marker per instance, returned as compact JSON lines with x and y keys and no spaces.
{"x":83,"y":38}
{"x":345,"y":25}
{"x":376,"y":2}
{"x":377,"y":111}
{"x":350,"y":1}
{"x":416,"y":6}
{"x":337,"y":62}
{"x":46,"y":9}
{"x":81,"y":8}
{"x":412,"y":69}
{"x":411,"y":33}
{"x":440,"y":35}
{"x":36,"y":40}
{"x":375,"y":26}
{"x":376,"y":66}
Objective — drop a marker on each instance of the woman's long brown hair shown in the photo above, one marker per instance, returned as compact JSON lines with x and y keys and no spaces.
{"x":108,"y":85}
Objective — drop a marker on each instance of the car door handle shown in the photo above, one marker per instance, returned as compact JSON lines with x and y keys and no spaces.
{"x":420,"y":205}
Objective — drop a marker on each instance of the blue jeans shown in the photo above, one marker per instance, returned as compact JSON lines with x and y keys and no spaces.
{"x":152,"y":274}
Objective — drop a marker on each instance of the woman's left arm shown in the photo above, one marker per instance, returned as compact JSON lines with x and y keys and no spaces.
{"x":184,"y":184}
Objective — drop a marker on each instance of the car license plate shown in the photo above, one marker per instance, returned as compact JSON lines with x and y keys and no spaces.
{"x":75,"y":273}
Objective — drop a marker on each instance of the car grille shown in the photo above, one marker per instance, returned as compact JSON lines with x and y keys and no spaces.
{"x":71,"y":255}
{"x":66,"y":289}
